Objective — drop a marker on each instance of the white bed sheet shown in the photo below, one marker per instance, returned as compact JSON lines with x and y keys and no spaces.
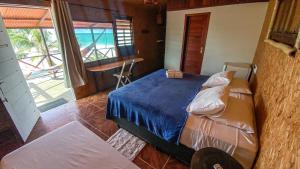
{"x":200,"y":132}
{"x":70,"y":147}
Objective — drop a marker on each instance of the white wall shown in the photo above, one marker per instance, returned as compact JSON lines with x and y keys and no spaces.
{"x":233,"y":35}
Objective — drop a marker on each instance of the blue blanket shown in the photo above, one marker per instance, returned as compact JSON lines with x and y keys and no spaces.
{"x":156,"y":103}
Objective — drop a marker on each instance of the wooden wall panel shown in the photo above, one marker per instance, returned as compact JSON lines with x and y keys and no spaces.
{"x":277,"y":104}
{"x":177,"y":4}
{"x":81,"y":13}
{"x":174,"y":5}
{"x":4,"y":121}
{"x":195,"y":3}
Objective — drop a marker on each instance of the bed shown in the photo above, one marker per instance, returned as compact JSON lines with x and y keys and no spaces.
{"x":154,"y":108}
{"x":72,"y":146}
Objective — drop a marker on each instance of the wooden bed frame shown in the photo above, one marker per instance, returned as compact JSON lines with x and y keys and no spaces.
{"x":180,"y":152}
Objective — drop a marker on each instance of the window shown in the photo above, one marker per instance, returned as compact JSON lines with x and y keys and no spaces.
{"x":124,"y":32}
{"x":96,"y":40}
{"x":124,"y":37}
{"x":286,"y":22}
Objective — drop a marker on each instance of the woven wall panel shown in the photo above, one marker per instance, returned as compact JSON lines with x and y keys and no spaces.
{"x":277,"y":100}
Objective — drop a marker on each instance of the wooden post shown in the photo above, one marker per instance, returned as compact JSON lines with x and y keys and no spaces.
{"x":95,"y":45}
{"x":105,"y":37}
{"x":47,"y":50}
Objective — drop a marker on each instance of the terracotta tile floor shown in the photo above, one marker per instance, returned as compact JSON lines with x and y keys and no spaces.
{"x":90,"y":112}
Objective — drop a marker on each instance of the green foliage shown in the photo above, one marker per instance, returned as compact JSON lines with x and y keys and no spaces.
{"x":25,"y":41}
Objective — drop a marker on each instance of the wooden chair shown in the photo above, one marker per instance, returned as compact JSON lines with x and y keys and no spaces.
{"x":124,"y":76}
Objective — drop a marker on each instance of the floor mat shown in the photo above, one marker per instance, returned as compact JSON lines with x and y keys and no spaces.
{"x":126,"y":143}
{"x":52,"y":105}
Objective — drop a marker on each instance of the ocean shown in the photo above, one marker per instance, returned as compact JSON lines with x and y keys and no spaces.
{"x":85,"y":39}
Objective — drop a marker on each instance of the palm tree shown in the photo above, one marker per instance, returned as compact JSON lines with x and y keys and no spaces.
{"x":25,"y":40}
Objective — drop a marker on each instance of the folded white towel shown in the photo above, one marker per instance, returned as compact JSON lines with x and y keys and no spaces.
{"x":174,"y":74}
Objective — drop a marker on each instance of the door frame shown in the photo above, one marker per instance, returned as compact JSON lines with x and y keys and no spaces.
{"x":184,"y":39}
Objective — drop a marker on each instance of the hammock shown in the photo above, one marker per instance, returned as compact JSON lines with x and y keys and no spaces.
{"x":87,"y":50}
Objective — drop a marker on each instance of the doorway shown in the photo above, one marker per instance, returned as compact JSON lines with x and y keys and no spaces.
{"x":35,"y":43}
{"x":194,"y":40}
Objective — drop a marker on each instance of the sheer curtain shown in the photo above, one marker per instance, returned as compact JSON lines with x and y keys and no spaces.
{"x":75,"y":73}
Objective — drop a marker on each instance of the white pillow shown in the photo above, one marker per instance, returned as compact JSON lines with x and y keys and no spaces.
{"x":238,"y":113}
{"x":239,"y":86}
{"x":219,"y":79}
{"x":211,"y":101}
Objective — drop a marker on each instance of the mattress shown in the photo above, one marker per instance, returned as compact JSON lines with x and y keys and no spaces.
{"x":70,"y":147}
{"x":200,"y":132}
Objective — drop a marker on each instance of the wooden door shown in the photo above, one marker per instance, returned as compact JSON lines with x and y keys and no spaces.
{"x":14,"y":91}
{"x":196,"y":27}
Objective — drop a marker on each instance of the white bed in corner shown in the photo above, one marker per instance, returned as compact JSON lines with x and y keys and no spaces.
{"x":200,"y":132}
{"x":70,"y":147}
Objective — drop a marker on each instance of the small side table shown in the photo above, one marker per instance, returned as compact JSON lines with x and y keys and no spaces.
{"x":212,"y":158}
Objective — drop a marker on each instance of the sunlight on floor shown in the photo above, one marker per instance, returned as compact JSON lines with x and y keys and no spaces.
{"x":48,"y":89}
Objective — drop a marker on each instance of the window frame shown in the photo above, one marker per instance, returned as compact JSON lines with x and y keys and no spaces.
{"x":285,"y":35}
{"x":122,"y":48}
{"x":105,"y":60}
